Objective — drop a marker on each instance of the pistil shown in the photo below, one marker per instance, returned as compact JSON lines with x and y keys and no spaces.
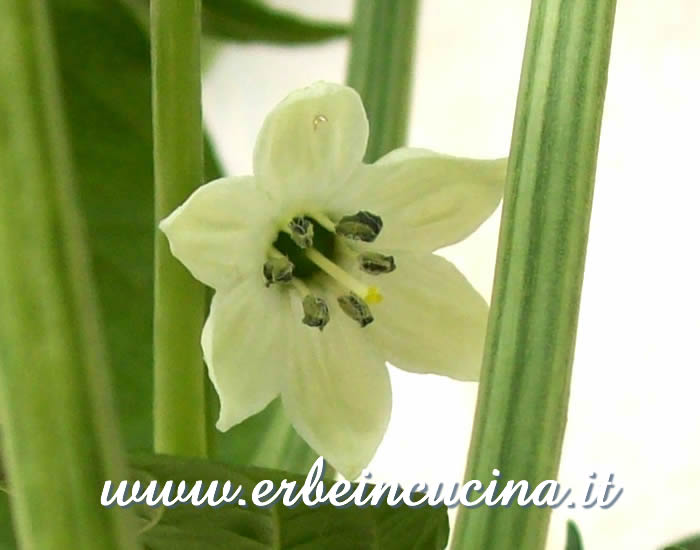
{"x":369,"y":294}
{"x":324,"y":221}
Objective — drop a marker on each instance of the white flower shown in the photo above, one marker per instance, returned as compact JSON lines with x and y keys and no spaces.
{"x":242,"y":235}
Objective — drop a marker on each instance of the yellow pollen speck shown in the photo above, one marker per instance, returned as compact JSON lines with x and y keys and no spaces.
{"x":373,"y":295}
{"x":318,"y":119}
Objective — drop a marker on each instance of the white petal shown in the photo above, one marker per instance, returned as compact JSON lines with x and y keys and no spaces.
{"x":431,"y":319}
{"x":337,"y":393}
{"x":221,"y":231}
{"x":311,"y":142}
{"x":425,"y":200}
{"x":244,"y":342}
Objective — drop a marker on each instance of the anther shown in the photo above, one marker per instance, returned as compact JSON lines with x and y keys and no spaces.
{"x":375,"y":263}
{"x":356,"y":308}
{"x":301,"y":230}
{"x":278,"y":270}
{"x":315,"y":312}
{"x":363,"y":226}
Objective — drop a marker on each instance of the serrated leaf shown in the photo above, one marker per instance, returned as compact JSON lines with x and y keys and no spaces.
{"x":278,"y":527}
{"x":573,"y":537}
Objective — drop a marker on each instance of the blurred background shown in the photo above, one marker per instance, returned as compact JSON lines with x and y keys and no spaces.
{"x":634,"y":405}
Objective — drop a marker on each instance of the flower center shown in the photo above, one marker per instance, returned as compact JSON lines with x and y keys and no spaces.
{"x":323,"y":241}
{"x":308,"y":244}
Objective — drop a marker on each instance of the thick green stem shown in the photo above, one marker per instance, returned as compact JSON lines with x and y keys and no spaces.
{"x":524,"y":391}
{"x":381,"y":68}
{"x":179,"y":403}
{"x":60,"y":439}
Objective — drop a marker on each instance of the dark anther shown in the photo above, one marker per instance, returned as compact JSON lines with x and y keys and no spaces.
{"x":302,"y":231}
{"x":315,"y":312}
{"x":375,"y":263}
{"x":363,"y":226}
{"x":278,"y":270}
{"x":356,"y":308}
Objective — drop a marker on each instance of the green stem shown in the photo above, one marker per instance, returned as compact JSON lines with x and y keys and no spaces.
{"x":60,"y":438}
{"x":179,"y":403}
{"x":524,"y":390}
{"x":381,"y":68}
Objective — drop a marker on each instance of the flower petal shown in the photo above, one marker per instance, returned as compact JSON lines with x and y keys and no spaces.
{"x":431,"y":319}
{"x":311,"y":142}
{"x":221,"y":230}
{"x":244,"y":342}
{"x":425,"y":200}
{"x":337,"y":393}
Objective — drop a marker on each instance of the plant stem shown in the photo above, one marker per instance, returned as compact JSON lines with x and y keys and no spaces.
{"x":179,"y":403}
{"x":524,"y":390}
{"x":60,"y":438}
{"x":381,"y":68}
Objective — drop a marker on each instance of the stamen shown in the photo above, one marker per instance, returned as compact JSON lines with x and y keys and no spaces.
{"x":300,"y":287}
{"x":324,"y":221}
{"x":375,"y":263}
{"x":301,"y":230}
{"x":356,"y":308}
{"x":278,"y":269}
{"x":316,"y":312}
{"x":363,"y":226}
{"x":370,"y":294}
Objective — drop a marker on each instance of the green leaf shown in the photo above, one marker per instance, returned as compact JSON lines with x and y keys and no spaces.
{"x":690,"y":543}
{"x":253,"y":21}
{"x":573,"y":537}
{"x":279,"y":527}
{"x":105,"y":67}
{"x":249,"y":20}
{"x":7,"y":538}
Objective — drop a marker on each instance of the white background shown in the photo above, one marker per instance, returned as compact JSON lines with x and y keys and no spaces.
{"x":634,"y":406}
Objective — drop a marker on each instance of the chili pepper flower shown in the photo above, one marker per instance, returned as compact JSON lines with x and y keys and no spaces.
{"x":324,"y":270}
